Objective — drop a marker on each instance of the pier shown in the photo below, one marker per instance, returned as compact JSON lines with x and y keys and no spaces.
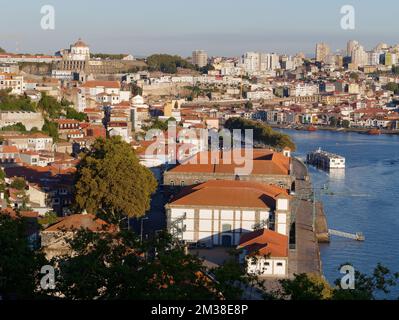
{"x":357,"y":236}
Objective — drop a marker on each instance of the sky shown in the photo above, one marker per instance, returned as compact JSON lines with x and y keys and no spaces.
{"x":221,"y":27}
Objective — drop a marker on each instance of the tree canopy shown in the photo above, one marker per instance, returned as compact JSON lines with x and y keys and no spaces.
{"x":112,"y":183}
{"x":262,"y":133}
{"x":167,"y":63}
{"x":19,"y":264}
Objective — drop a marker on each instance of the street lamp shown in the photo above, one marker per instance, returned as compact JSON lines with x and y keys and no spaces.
{"x":141,"y":229}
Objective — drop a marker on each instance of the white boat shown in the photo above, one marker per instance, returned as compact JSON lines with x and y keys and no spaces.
{"x":325,"y":160}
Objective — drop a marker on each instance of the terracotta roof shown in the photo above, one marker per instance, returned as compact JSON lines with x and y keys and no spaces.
{"x":265,"y":162}
{"x":78,"y":221}
{"x":9,"y":149}
{"x":265,"y":242}
{"x":105,"y":84}
{"x":222,"y":193}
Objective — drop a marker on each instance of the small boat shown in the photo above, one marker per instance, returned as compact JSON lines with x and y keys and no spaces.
{"x":311,"y":129}
{"x":374,"y":132}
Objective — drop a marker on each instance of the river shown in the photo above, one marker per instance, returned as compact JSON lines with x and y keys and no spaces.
{"x":365,"y":200}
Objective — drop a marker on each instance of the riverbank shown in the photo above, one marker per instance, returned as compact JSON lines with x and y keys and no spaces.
{"x":334,"y":129}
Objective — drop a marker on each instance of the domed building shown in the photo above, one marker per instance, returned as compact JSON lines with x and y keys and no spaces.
{"x":79,"y":51}
{"x":75,"y":58}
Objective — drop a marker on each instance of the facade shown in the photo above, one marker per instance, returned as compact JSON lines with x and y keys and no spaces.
{"x":219,"y":212}
{"x":13,"y":82}
{"x":265,"y":252}
{"x":322,"y":52}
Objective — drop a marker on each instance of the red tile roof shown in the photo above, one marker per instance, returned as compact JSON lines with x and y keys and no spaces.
{"x":265,"y":242}
{"x":223,"y":193}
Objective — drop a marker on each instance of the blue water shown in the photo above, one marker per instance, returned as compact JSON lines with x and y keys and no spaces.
{"x":366,"y":199}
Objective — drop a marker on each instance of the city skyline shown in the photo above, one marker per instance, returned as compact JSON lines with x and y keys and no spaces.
{"x":179,"y":27}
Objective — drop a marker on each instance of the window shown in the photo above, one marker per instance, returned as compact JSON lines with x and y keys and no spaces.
{"x":172,"y":183}
{"x":226,"y":228}
{"x":182,"y":183}
{"x":279,"y":264}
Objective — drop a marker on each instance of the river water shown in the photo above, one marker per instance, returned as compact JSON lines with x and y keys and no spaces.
{"x":365,"y":198}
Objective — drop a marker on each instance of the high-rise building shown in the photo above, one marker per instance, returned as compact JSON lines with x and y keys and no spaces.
{"x":258,"y":61}
{"x":350,"y":46}
{"x":359,"y":56}
{"x":200,"y":58}
{"x":322,"y":51}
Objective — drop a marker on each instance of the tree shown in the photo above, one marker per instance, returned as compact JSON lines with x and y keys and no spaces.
{"x":51,"y":128}
{"x":345,"y":123}
{"x":392,"y":86}
{"x":112,"y":183}
{"x":19,"y":265}
{"x":167,"y":63}
{"x":368,"y":287}
{"x":333,"y":122}
{"x":120,"y":266}
{"x":50,"y":106}
{"x":71,"y":113}
{"x":261,"y":133}
{"x":18,"y":183}
{"x":2,"y":50}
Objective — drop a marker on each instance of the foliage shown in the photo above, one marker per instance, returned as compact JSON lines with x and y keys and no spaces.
{"x":392,"y":86}
{"x":49,"y":218}
{"x":51,"y":128}
{"x":19,"y":265}
{"x":109,"y":56}
{"x":18,"y":183}
{"x":10,"y":102}
{"x":314,"y":287}
{"x":119,"y":266}
{"x":368,"y":287}
{"x":158,"y":124}
{"x":71,"y":113}
{"x":262,"y":133}
{"x":167,"y":63}
{"x":112,"y":183}
{"x":50,"y":106}
{"x":2,"y":50}
{"x":15,"y":127}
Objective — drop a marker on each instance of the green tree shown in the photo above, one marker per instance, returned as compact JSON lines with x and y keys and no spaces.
{"x":18,"y":183}
{"x":333,"y":122}
{"x":19,"y":265}
{"x":112,"y":183}
{"x":261,"y":133}
{"x":345,"y":123}
{"x":15,"y":127}
{"x":50,"y":106}
{"x":71,"y":113}
{"x":2,"y":50}
{"x":51,"y":128}
{"x":392,"y":86}
{"x":120,"y":266}
{"x":167,"y":63}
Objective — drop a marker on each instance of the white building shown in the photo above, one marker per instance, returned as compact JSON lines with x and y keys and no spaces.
{"x":219,"y":212}
{"x":13,"y":82}
{"x":265,"y":253}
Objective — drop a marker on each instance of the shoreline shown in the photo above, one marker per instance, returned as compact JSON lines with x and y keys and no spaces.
{"x":338,"y":130}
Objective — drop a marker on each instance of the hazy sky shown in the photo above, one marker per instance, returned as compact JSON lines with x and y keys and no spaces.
{"x":221,"y":27}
